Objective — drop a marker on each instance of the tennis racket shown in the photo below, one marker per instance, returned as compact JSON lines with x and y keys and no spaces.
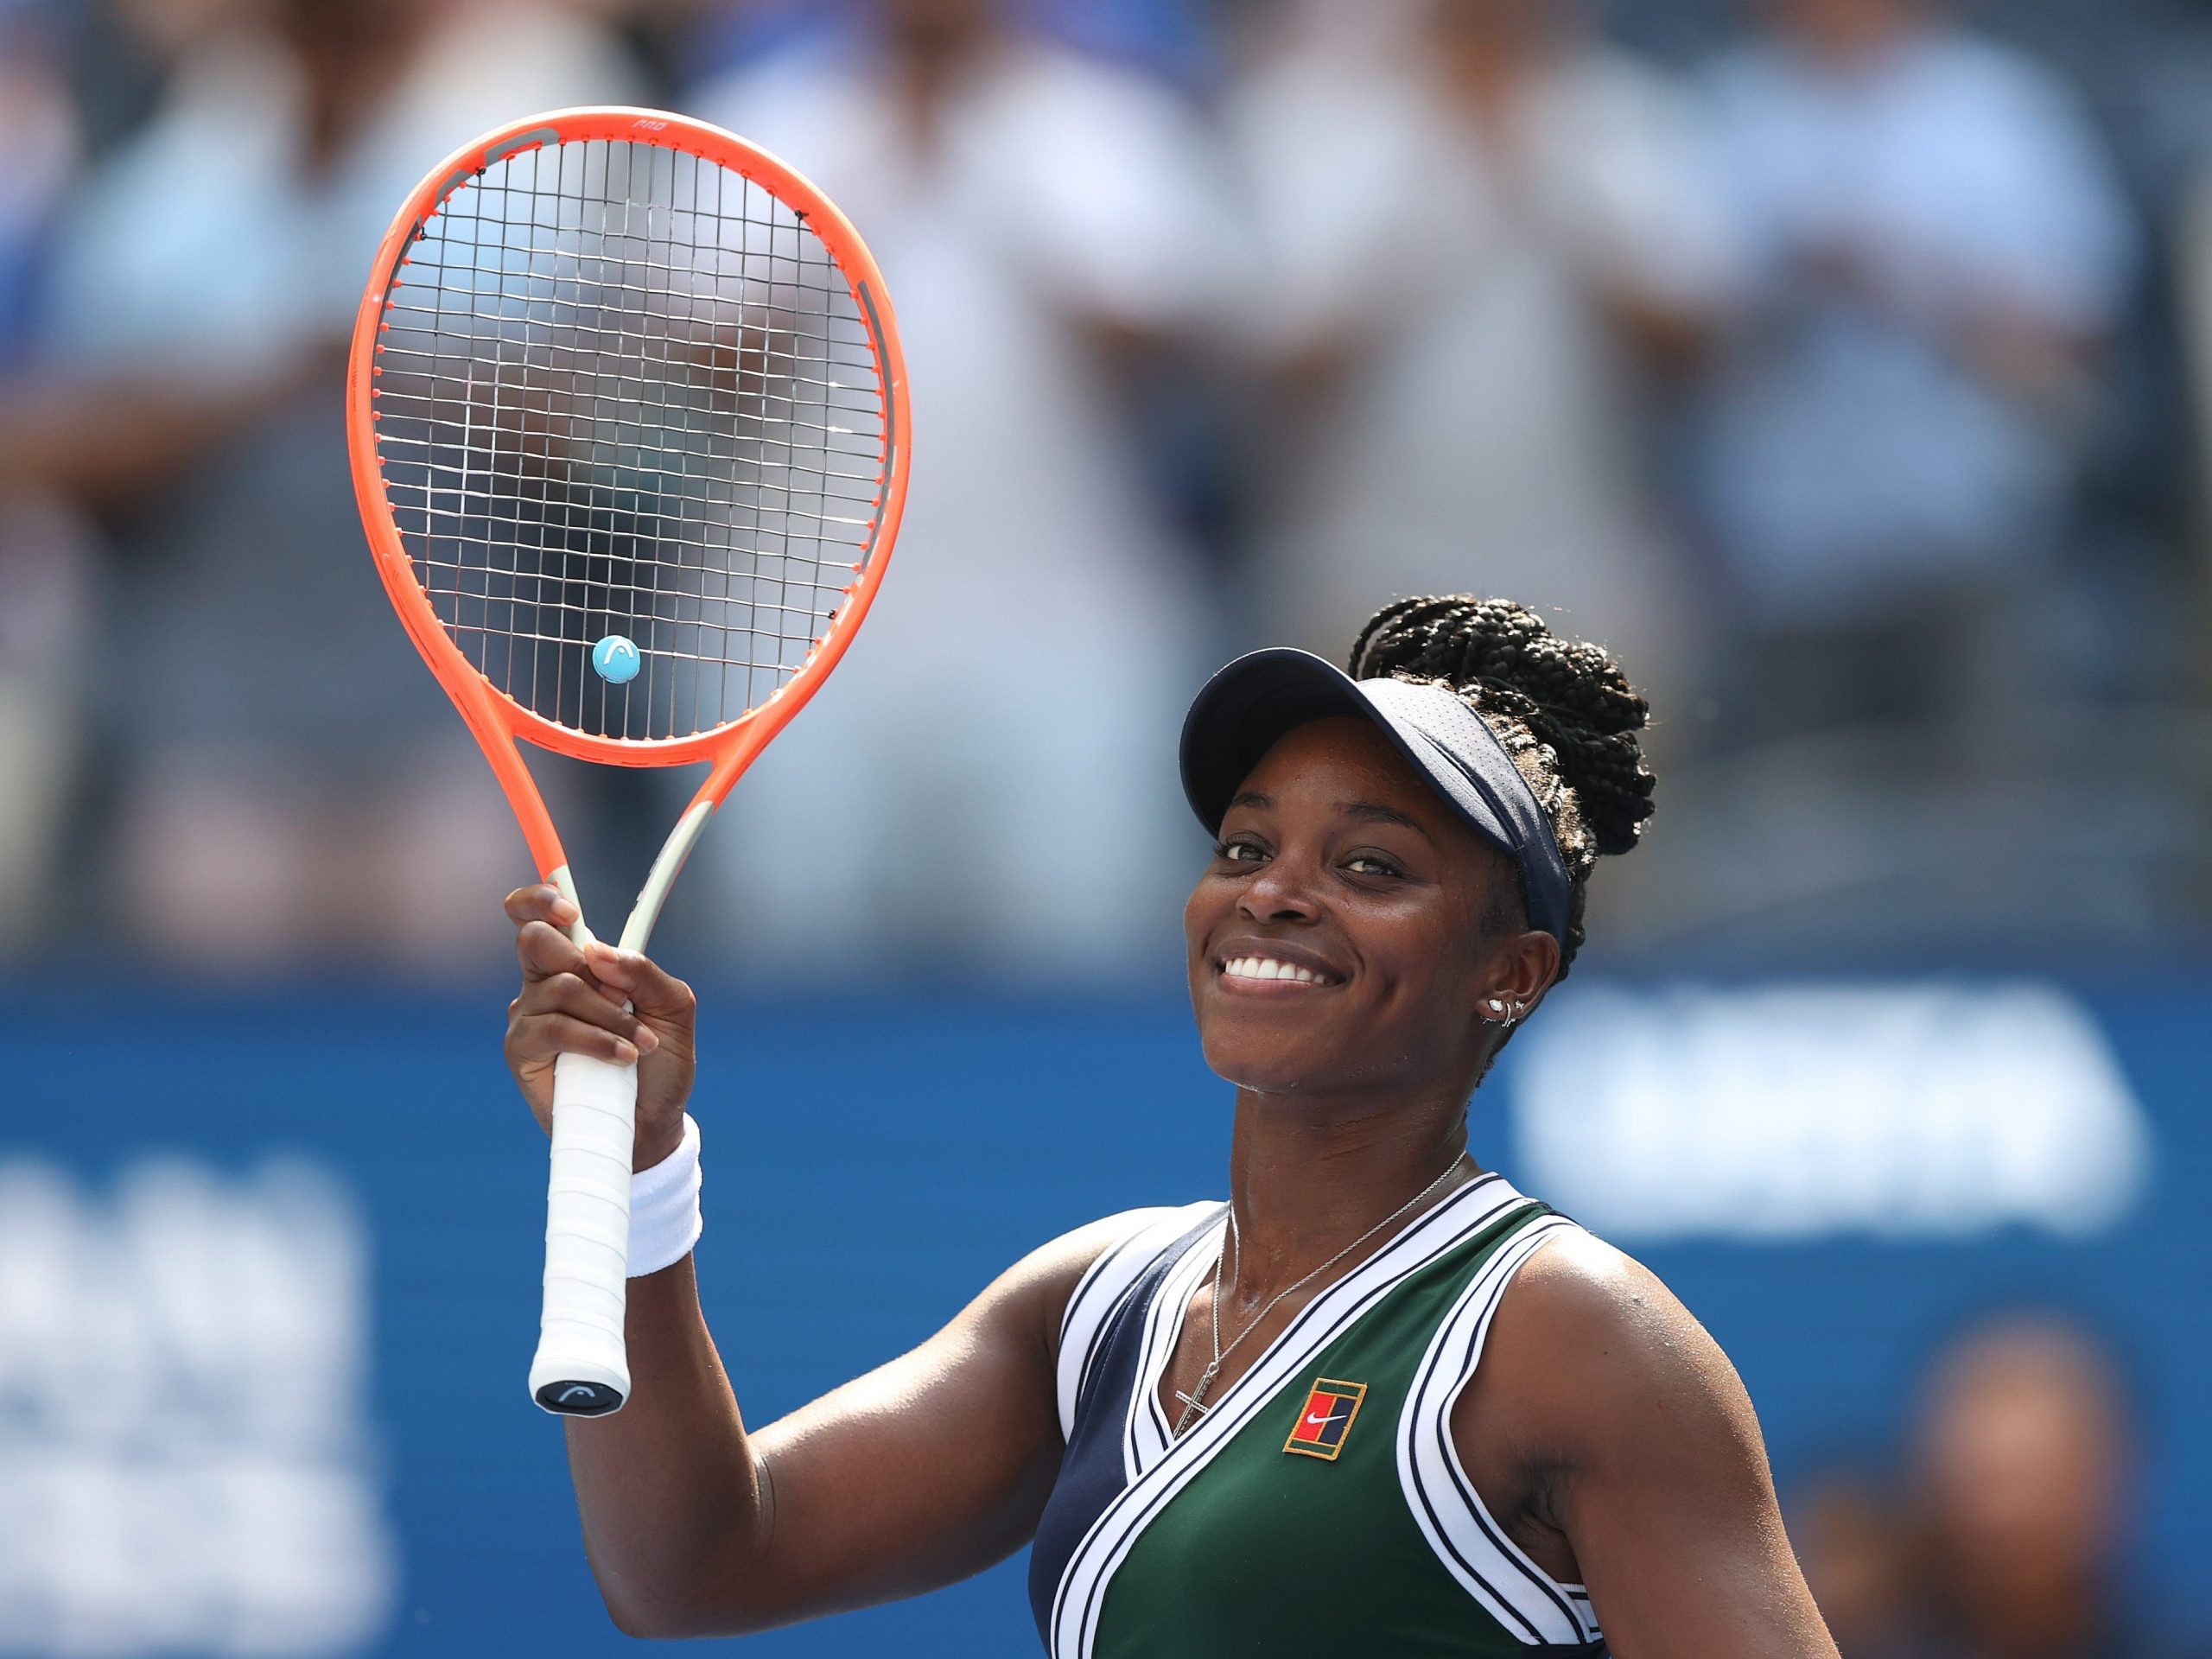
{"x":628,"y":421}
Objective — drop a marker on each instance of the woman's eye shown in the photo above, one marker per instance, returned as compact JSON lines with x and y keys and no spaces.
{"x":1368,"y":864}
{"x":1238,"y":852}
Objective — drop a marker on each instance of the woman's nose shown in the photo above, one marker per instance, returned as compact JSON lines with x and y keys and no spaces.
{"x":1282,"y":892}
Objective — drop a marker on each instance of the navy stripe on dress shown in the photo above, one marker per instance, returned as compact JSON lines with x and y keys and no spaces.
{"x":1092,"y":1470}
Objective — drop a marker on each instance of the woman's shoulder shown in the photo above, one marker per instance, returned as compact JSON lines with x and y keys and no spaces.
{"x":1583,"y":1299}
{"x":1578,"y":1308}
{"x":1089,"y":1266}
{"x":1082,"y":1249}
{"x":1099,"y":1265}
{"x":1108,"y":1256}
{"x":1146,"y":1231}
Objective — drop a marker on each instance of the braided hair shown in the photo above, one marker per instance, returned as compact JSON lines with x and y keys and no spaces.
{"x":1565,"y":712}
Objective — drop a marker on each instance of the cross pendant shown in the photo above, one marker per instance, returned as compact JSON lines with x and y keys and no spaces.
{"x":1194,"y":1402}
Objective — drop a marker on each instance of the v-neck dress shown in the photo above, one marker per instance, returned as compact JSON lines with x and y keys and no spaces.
{"x":1319,"y":1508}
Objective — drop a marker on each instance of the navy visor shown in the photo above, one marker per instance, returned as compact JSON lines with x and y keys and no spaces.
{"x":1245,"y":709}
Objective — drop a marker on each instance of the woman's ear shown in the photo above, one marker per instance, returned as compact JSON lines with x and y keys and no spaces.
{"x":1520,"y":971}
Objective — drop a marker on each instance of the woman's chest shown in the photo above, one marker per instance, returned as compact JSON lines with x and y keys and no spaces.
{"x":1313,"y":1504}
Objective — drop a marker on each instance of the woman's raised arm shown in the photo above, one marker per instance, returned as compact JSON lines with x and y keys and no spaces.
{"x":916,"y":1475}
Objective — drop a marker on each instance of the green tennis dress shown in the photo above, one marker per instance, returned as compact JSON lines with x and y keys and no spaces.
{"x":1319,"y":1508}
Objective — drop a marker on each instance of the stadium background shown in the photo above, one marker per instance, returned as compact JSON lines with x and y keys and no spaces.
{"x":1841,"y":362}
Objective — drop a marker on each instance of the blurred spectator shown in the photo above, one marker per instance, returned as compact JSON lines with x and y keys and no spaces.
{"x":1857,"y":1554}
{"x":2022,"y":1459}
{"x":1171,"y":37}
{"x":990,"y":779}
{"x":2192,"y":275}
{"x":43,"y":597}
{"x":1482,"y":228}
{"x":39,"y":128}
{"x":1938,"y":251}
{"x":289,"y":778}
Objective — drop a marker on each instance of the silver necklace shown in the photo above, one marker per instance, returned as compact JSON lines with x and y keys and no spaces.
{"x":1194,"y":1402}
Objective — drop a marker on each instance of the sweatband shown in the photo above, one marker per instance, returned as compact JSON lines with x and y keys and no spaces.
{"x":665,"y":1218}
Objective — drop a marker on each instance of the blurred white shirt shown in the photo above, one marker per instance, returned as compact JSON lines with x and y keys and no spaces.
{"x":202,"y":245}
{"x":203,"y":249}
{"x":1004,"y":732}
{"x":270,"y":726}
{"x":1894,"y":207}
{"x":1487,"y":436}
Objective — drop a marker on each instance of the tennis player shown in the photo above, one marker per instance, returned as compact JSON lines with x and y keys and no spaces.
{"x":1379,"y":1403}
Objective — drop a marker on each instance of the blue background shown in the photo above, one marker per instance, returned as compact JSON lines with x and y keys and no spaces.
{"x":871,"y":1164}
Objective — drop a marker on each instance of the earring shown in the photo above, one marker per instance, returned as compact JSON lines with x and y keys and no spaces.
{"x":1502,"y":1012}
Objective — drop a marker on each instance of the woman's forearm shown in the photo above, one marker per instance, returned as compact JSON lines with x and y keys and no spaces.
{"x":670,"y":1492}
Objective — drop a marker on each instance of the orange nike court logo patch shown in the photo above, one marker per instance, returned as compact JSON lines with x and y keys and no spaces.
{"x":1325,"y":1419}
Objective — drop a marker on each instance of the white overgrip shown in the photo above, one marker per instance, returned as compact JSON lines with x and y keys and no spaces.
{"x":581,"y":1368}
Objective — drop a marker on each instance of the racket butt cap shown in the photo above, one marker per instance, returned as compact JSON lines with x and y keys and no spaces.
{"x":578,"y":1399}
{"x":569,"y":1380}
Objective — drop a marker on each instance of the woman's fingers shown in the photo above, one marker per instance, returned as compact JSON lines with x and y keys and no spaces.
{"x":576,"y":998}
{"x":540,"y":914}
{"x":544,"y":951}
{"x":535,"y":1039}
{"x":654,"y":992}
{"x":540,"y":903}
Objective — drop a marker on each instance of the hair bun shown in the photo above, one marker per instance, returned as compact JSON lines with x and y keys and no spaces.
{"x":1570,"y":695}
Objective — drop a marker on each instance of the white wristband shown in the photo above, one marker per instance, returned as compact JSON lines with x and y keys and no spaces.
{"x":665,"y":1218}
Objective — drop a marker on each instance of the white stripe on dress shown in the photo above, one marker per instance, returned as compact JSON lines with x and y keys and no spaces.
{"x":1146,"y":1436}
{"x":1467,"y":1541}
{"x":1102,"y":1286}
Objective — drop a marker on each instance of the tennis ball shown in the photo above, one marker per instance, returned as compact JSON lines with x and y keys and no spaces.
{"x":616,"y":659}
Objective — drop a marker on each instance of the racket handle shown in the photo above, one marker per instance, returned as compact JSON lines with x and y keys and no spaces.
{"x":582,"y":1369}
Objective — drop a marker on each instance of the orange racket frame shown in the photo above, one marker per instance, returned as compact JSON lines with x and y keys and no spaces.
{"x":497,"y":720}
{"x":600,"y":1382}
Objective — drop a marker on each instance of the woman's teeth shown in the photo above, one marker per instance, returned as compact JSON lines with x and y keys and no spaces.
{"x":1268,"y":968}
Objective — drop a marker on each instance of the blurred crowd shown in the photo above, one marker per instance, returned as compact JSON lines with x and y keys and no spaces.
{"x":1840,"y":364}
{"x":2003,"y":1531}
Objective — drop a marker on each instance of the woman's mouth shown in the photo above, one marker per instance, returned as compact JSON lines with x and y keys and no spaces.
{"x":1271,"y":970}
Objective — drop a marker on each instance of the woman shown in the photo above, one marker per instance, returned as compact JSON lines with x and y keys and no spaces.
{"x":1260,"y":1427}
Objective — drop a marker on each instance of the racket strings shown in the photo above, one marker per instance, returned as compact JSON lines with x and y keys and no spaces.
{"x":673,"y":441}
{"x":614,"y":497}
{"x":626,"y":392}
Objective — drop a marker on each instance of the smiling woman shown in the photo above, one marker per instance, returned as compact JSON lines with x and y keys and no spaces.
{"x":1379,"y":1401}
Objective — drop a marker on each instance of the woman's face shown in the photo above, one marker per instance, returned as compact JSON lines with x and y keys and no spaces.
{"x":1338,"y":940}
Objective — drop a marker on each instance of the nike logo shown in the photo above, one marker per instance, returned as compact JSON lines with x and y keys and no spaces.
{"x":1329,"y":1409}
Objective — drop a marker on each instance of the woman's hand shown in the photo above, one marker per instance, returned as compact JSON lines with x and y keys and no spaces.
{"x":571,"y":1003}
